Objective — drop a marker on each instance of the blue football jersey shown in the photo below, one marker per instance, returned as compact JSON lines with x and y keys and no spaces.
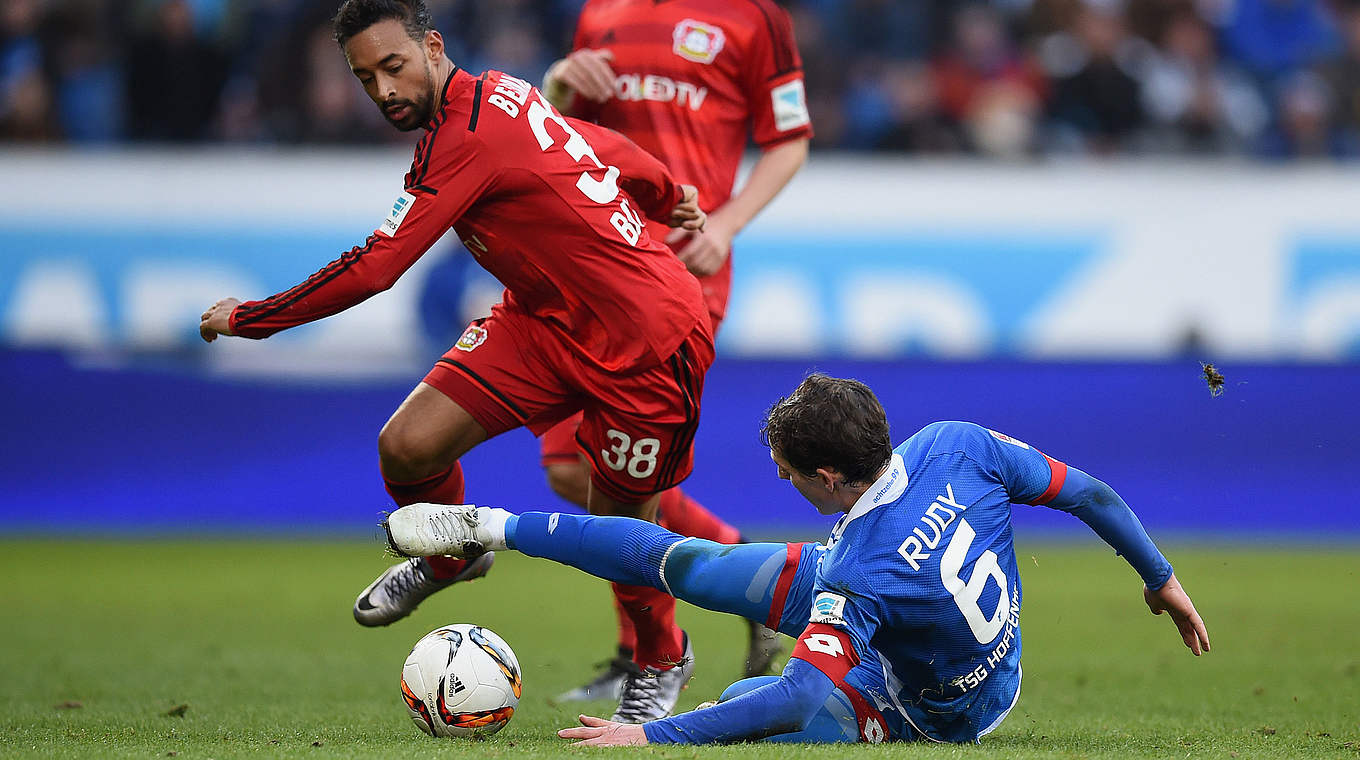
{"x":921,"y":574}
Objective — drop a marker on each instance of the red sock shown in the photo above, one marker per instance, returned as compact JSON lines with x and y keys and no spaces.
{"x":442,"y":488}
{"x":627,"y":634}
{"x":681,"y":514}
{"x":660,"y":644}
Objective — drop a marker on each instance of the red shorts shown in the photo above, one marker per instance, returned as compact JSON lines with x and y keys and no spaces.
{"x":636,"y":430}
{"x":558,"y":444}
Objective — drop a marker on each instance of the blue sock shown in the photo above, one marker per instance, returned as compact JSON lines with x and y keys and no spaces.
{"x":619,"y":549}
{"x":738,"y":579}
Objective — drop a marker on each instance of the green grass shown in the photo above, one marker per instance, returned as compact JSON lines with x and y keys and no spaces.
{"x":257,"y":639}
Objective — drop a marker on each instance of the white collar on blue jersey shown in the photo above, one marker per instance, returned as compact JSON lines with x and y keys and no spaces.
{"x":888,"y":488}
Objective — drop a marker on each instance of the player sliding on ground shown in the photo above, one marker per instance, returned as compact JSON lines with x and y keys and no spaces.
{"x":598,"y":317}
{"x":907,"y":618}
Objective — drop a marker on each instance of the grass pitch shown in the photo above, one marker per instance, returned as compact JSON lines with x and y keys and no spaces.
{"x":224,"y":649}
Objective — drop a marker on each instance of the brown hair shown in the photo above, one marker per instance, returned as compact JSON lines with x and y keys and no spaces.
{"x":830,"y":422}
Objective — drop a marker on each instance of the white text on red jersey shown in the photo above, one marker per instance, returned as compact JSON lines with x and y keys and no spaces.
{"x":659,"y":89}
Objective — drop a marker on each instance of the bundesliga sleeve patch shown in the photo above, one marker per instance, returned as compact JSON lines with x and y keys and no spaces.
{"x":790,"y":106}
{"x":828,"y":608}
{"x":400,"y":208}
{"x":828,"y":650}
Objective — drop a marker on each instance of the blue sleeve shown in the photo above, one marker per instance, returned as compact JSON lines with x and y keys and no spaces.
{"x":780,"y":707}
{"x":1097,"y":505}
{"x":845,"y":598}
{"x":1028,"y":476}
{"x":1032,"y":477}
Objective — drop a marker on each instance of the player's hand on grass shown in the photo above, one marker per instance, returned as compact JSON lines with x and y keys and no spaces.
{"x":217,"y":319}
{"x":586,"y":72}
{"x":1172,"y":599}
{"x":687,"y":215}
{"x":598,"y":732}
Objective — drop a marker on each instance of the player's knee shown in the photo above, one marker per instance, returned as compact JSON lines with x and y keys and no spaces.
{"x":405,"y":454}
{"x":570,"y":480}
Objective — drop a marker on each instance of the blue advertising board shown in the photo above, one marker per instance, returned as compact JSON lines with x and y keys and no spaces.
{"x":169,"y":449}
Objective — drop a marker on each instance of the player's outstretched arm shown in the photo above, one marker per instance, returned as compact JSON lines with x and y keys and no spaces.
{"x":217,"y":319}
{"x":1096,"y":504}
{"x":1105,"y":512}
{"x":785,"y":705}
{"x":1173,"y":600}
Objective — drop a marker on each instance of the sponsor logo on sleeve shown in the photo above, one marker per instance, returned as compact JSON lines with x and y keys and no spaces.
{"x":697,"y":41}
{"x":827,"y":649}
{"x":400,"y":208}
{"x":828,"y":608}
{"x":825,"y":643}
{"x":1007,"y":439}
{"x":790,"y":105}
{"x":472,"y":337}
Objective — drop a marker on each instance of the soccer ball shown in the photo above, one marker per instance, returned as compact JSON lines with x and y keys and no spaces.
{"x":461,"y":680}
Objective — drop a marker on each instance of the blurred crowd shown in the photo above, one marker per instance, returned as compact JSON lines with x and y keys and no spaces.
{"x":997,"y":78}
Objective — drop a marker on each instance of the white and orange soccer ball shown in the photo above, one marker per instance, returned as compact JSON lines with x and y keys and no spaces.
{"x":461,"y":680}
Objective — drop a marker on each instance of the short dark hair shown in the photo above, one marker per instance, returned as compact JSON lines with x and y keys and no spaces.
{"x":354,"y":16}
{"x":830,"y":422}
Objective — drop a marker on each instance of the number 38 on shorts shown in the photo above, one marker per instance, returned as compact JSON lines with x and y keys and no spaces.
{"x":636,"y":457}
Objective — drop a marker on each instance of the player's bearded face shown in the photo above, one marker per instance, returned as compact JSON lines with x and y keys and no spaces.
{"x":396,"y":71}
{"x":407,"y":114}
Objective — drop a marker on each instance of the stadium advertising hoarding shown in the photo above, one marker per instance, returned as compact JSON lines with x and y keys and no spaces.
{"x":857,"y":259}
{"x":1066,"y":305}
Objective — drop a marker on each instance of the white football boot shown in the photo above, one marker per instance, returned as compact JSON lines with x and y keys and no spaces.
{"x":402,"y":587}
{"x":650,"y":693}
{"x":423,"y":530}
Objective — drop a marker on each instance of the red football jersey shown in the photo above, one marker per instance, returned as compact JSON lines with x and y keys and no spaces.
{"x":553,"y":207}
{"x":694,"y":79}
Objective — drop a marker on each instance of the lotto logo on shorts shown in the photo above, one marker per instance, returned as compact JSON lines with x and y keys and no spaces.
{"x":473,"y":337}
{"x":873,"y":732}
{"x":697,"y":41}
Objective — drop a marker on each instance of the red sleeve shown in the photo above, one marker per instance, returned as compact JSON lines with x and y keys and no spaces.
{"x":774,"y":80}
{"x":828,"y":649}
{"x":448,"y":175}
{"x":641,"y":175}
